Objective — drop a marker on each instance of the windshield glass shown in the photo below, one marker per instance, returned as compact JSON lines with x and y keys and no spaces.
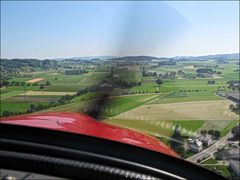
{"x":166,"y":69}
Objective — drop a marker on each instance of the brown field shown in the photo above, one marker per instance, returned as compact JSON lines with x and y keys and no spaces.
{"x":30,"y":99}
{"x":196,"y":110}
{"x":189,"y":67}
{"x":46,"y":93}
{"x":35,"y":80}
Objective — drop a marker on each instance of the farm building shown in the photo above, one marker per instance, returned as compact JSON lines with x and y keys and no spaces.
{"x":235,"y":97}
{"x":206,"y":139}
{"x":195,"y":145}
{"x":231,"y":154}
{"x":236,"y":85}
{"x":235,"y":167}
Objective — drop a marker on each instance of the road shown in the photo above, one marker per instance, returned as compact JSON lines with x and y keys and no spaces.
{"x":210,"y":150}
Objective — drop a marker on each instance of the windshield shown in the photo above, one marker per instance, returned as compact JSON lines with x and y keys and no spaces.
{"x":166,"y":69}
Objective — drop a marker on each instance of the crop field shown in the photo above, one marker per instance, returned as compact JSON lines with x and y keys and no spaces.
{"x":130,"y":76}
{"x":35,"y":80}
{"x":45,"y":93}
{"x":158,"y":128}
{"x":9,"y":94}
{"x":143,"y":126}
{"x":149,"y":85}
{"x":31,"y":99}
{"x":72,"y":107}
{"x":201,"y":110}
{"x":117,"y":105}
{"x":17,"y":106}
{"x":121,"y":104}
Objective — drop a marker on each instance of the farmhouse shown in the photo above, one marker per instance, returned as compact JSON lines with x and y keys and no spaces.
{"x":235,"y":97}
{"x":104,"y":87}
{"x":195,"y":145}
{"x":206,"y":139}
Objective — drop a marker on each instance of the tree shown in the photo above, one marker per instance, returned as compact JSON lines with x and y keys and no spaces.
{"x":236,"y":131}
{"x":5,"y":113}
{"x":231,"y":107}
{"x":48,"y":83}
{"x":41,"y":86}
{"x":203,"y":132}
{"x":31,"y":108}
{"x":176,"y":142}
{"x":159,"y":81}
{"x":210,"y":132}
{"x":22,"y":83}
{"x":217,"y":134}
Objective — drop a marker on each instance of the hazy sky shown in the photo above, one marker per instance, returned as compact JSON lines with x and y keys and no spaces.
{"x":67,"y":29}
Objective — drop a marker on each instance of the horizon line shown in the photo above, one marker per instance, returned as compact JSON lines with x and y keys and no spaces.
{"x":95,"y":56}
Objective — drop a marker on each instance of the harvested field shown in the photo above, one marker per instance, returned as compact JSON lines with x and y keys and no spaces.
{"x":199,"y":110}
{"x":46,"y":93}
{"x":30,"y":99}
{"x":189,"y":67}
{"x":35,"y":80}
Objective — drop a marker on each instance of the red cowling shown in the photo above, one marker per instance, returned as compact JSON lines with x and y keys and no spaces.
{"x":80,"y":123}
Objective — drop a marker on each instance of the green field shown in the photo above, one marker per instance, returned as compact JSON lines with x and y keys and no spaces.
{"x":220,"y":169}
{"x":210,"y":161}
{"x":17,"y":106}
{"x":148,"y":127}
{"x":229,"y":127}
{"x":124,"y":103}
{"x":193,"y":125}
{"x":159,"y":128}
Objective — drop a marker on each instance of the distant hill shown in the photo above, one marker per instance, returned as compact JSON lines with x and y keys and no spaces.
{"x":11,"y":65}
{"x":136,"y":58}
{"x":151,"y":58}
{"x":93,"y":57}
{"x":208,"y":57}
{"x":198,"y":58}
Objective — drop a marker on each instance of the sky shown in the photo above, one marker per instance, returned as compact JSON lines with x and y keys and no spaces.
{"x":60,"y":29}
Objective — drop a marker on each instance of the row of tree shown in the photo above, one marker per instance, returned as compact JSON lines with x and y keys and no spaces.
{"x":211,"y":82}
{"x":236,"y":132}
{"x":12,"y":83}
{"x":76,"y":72}
{"x":21,"y":83}
{"x":176,"y":141}
{"x":235,"y":108}
{"x":193,"y":90}
{"x":125,"y":84}
{"x":215,"y":133}
{"x":167,"y":75}
{"x":149,"y":74}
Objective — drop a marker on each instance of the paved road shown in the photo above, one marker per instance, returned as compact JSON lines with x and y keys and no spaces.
{"x":211,"y":149}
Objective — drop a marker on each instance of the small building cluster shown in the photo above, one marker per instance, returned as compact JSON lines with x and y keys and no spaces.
{"x":235,"y":97}
{"x":233,"y":156}
{"x":197,"y":144}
